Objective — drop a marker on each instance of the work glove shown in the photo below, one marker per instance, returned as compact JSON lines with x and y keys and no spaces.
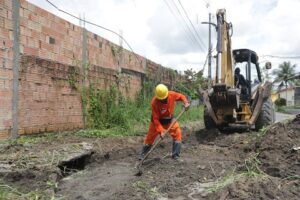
{"x":186,"y":106}
{"x":162,"y":134}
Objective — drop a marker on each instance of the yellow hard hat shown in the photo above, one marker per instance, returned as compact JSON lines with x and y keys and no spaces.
{"x":161,"y":91}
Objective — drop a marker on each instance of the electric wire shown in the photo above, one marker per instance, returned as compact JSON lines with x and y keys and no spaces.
{"x":188,"y":27}
{"x":282,"y":57}
{"x":93,"y":24}
{"x":192,"y":25}
{"x":186,"y":31}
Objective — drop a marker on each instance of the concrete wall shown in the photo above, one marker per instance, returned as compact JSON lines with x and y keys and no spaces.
{"x":51,"y":52}
{"x":288,"y":95}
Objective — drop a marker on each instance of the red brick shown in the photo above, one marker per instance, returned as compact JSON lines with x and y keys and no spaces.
{"x":8,"y":3}
{"x":28,"y":130}
{"x":31,"y":51}
{"x":4,"y":134}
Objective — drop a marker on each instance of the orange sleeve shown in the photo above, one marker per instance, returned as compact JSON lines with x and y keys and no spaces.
{"x":180,"y":97}
{"x":155,"y":116}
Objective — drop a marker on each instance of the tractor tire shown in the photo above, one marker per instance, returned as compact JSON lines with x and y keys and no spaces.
{"x":208,"y":121}
{"x":266,"y":116}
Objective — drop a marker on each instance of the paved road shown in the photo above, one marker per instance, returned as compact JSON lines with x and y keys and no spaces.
{"x":282,"y":116}
{"x":292,"y":111}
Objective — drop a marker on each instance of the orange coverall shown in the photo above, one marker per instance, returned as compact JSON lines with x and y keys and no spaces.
{"x":164,"y":110}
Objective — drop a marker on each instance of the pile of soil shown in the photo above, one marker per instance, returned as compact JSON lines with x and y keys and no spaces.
{"x":276,"y":152}
{"x":279,"y":163}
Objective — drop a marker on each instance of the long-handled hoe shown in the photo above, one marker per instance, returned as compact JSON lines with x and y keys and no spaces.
{"x":139,"y":166}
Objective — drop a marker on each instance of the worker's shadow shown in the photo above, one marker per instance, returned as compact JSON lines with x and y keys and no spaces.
{"x":151,"y":162}
{"x":205,"y":136}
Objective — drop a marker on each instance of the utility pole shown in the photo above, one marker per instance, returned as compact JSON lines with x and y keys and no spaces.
{"x":84,"y":67}
{"x":120,"y":62}
{"x":209,"y":51}
{"x":209,"y":47}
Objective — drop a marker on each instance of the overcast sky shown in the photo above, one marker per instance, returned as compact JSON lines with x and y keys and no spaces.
{"x":156,"y":30}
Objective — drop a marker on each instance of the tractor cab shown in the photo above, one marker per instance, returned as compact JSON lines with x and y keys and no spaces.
{"x":249,"y":78}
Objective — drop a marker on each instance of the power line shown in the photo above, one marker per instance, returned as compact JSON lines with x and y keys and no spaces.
{"x":91,"y":23}
{"x":183,"y":24}
{"x":187,"y":34}
{"x":191,"y":23}
{"x":283,"y":57}
{"x":192,"y":33}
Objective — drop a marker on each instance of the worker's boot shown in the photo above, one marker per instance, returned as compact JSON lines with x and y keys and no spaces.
{"x":144,"y":151}
{"x":176,"y":150}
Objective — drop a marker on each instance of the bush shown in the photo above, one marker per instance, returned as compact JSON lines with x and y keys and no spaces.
{"x":280,"y":102}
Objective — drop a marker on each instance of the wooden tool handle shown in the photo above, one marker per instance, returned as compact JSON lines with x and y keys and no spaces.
{"x":160,"y":139}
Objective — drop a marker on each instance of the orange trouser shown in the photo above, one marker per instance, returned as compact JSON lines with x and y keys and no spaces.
{"x":175,"y":133}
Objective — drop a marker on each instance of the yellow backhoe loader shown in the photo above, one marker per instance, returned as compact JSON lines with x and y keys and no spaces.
{"x":233,"y":98}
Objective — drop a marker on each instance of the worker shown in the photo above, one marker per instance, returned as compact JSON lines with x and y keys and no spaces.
{"x":239,"y":79}
{"x":162,"y":105}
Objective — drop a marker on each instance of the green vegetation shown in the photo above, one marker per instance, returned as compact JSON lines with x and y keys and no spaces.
{"x":285,"y":71}
{"x":151,"y":191}
{"x":227,"y":180}
{"x":73,"y":77}
{"x":252,"y":165}
{"x":252,"y":171}
{"x":33,"y":139}
{"x":280,"y":102}
{"x":280,"y":109}
{"x":10,"y":193}
{"x":263,"y":131}
{"x":109,"y":114}
{"x":191,"y":83}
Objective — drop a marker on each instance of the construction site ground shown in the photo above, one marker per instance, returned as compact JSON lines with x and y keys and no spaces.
{"x":216,"y":165}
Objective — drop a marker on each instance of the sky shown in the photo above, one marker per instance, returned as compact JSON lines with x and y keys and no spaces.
{"x":170,"y":32}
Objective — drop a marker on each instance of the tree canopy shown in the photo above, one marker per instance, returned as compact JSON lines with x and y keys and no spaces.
{"x":285,"y":71}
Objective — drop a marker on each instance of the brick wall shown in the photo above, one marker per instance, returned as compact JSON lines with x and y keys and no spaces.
{"x":51,"y":51}
{"x":6,"y":74}
{"x":47,"y":102}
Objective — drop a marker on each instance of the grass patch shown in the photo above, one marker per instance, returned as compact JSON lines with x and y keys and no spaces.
{"x":227,"y":180}
{"x":151,"y":191}
{"x":252,"y":171}
{"x":263,"y":131}
{"x":32,"y":139}
{"x":10,"y":193}
{"x":195,"y":113}
{"x":252,"y":166}
{"x":280,"y":109}
{"x":138,"y":119}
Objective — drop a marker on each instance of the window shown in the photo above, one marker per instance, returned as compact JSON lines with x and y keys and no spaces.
{"x":51,"y":40}
{"x":254,"y":75}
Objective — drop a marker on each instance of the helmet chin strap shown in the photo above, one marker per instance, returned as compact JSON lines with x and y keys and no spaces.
{"x":164,"y":100}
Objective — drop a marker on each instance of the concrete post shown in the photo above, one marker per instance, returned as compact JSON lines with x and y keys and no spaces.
{"x":16,"y":64}
{"x":84,"y":67}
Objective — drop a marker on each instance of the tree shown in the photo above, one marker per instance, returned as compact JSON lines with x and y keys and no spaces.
{"x":192,"y":81}
{"x":286,"y":70}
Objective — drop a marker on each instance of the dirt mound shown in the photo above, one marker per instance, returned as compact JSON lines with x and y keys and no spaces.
{"x":259,"y":188}
{"x":276,"y":152}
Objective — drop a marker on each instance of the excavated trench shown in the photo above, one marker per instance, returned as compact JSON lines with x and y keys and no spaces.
{"x":75,"y":164}
{"x":210,"y":159}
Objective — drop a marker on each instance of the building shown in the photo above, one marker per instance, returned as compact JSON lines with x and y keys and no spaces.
{"x":291,"y":94}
